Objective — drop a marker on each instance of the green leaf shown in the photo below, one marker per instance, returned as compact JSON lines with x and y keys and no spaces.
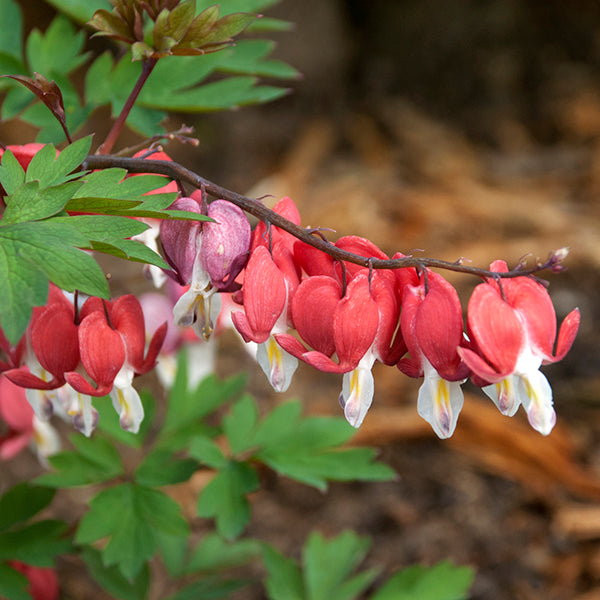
{"x":284,"y":578}
{"x":220,"y":95}
{"x":51,"y":169}
{"x":57,"y":51}
{"x":443,"y":581}
{"x":173,"y":550}
{"x":130,"y":515}
{"x":94,"y":460}
{"x":12,"y":175}
{"x":37,"y":544}
{"x":248,"y":58}
{"x":109,"y":234}
{"x":224,"y":498}
{"x":213,"y":554}
{"x":30,"y":203}
{"x":327,"y":565}
{"x":13,"y":585}
{"x":11,"y":32}
{"x":111,"y":579}
{"x":207,"y":452}
{"x":307,"y":450}
{"x":80,"y":10}
{"x":161,"y":511}
{"x":161,"y":467}
{"x":22,"y":502}
{"x":239,"y":425}
{"x":114,"y":183}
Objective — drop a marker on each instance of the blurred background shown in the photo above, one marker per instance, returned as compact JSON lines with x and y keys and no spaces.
{"x":463,"y":129}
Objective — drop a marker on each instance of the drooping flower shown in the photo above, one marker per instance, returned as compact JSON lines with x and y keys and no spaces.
{"x":432,"y":328}
{"x":512,"y":330}
{"x":112,"y":345}
{"x":208,"y":257}
{"x":267,"y":293}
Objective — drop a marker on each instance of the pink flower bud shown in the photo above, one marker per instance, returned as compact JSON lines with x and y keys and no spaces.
{"x":179,"y":240}
{"x":225,"y":244}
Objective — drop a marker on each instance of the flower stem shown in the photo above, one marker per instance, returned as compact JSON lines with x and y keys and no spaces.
{"x":147,"y":67}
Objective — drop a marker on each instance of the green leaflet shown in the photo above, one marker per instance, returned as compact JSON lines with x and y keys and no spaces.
{"x":129,"y":515}
{"x":443,"y":581}
{"x":93,"y":460}
{"x":325,"y":571}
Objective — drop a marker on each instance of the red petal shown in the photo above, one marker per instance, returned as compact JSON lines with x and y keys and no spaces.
{"x":127,"y":318}
{"x":480,"y":368}
{"x":533,"y":303}
{"x":313,"y":261}
{"x":360,"y":246}
{"x":264,"y":293}
{"x":24,"y":378}
{"x":313,"y":309}
{"x":291,"y":345}
{"x":389,"y":344}
{"x":496,"y":329}
{"x":439,"y":327}
{"x":93,"y":304}
{"x":102,"y":349}
{"x":566,"y":335}
{"x":54,"y":339}
{"x":324,"y":363}
{"x":355,"y":322}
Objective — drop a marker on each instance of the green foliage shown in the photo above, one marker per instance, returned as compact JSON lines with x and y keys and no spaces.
{"x":93,"y":460}
{"x":36,"y":543}
{"x":129,"y":515}
{"x":112,"y":580}
{"x":443,"y":581}
{"x":22,"y":502}
{"x":224,"y":498}
{"x":175,"y":84}
{"x":305,"y":449}
{"x":325,"y":573}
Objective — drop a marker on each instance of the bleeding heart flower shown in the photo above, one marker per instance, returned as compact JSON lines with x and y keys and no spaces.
{"x":432,"y":328}
{"x":512,"y":328}
{"x":112,"y":344}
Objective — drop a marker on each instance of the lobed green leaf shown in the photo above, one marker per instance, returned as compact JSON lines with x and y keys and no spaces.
{"x":224,"y":498}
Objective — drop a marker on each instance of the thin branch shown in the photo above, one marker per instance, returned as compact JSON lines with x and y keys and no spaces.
{"x":268,"y":216}
{"x":147,"y":67}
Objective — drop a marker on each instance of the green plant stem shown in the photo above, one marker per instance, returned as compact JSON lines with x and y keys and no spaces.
{"x":147,"y":67}
{"x":259,"y":210}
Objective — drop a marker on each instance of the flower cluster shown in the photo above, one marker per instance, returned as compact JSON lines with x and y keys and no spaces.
{"x":70,"y":354}
{"x":300,"y":304}
{"x":291,"y":302}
